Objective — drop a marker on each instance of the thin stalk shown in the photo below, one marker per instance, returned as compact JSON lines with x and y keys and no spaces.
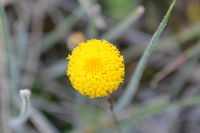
{"x":136,"y":77}
{"x":4,"y":79}
{"x":116,"y":123}
{"x":24,"y":113}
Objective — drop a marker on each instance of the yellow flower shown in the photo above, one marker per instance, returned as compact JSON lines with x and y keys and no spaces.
{"x":95,"y":68}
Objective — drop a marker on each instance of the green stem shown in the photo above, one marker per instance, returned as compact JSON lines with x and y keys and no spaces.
{"x":136,"y":77}
{"x":24,"y":113}
{"x":114,"y":117}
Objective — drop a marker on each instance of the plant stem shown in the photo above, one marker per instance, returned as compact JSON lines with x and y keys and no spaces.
{"x":116,"y":123}
{"x":132,"y":87}
{"x":4,"y":79}
{"x":24,"y":113}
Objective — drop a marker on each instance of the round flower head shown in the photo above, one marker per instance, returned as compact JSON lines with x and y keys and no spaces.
{"x":95,"y":68}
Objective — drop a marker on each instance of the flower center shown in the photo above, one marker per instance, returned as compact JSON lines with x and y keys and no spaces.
{"x":93,"y":65}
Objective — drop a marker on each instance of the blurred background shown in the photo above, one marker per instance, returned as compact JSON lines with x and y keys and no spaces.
{"x":43,"y":32}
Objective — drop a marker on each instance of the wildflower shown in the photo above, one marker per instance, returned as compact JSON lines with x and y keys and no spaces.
{"x":95,"y":68}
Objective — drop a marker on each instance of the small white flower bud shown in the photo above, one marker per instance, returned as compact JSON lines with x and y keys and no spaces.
{"x":25,"y":93}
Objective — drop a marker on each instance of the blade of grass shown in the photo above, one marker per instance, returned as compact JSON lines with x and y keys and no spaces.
{"x":136,"y":77}
{"x":12,"y":62}
{"x":22,"y":43}
{"x":4,"y":80}
{"x":188,"y":34}
{"x":126,"y":23}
